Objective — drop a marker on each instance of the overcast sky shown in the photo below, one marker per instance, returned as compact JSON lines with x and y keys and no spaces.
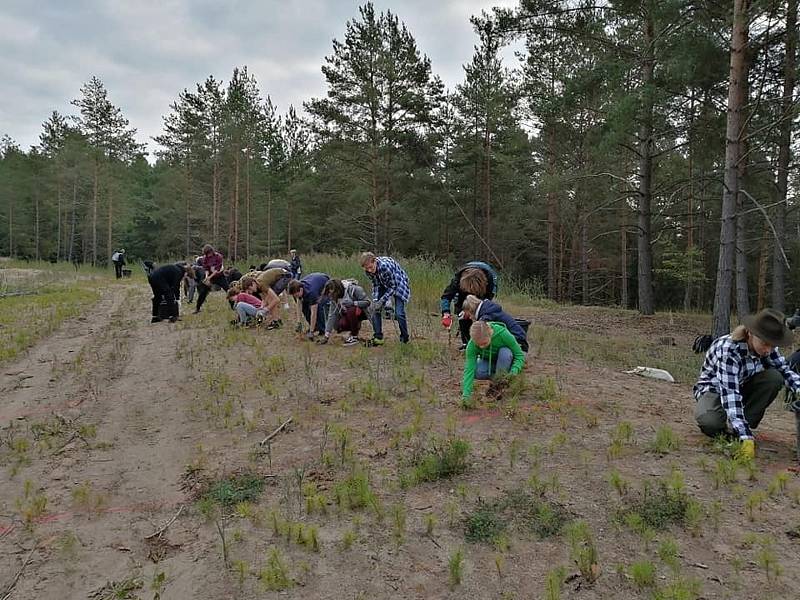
{"x":147,"y":51}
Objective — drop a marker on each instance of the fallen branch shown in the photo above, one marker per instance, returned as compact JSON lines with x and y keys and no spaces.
{"x":13,"y":584}
{"x":165,"y":527}
{"x":276,"y":432}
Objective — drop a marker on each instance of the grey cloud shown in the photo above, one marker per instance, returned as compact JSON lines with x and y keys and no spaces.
{"x":147,"y":51}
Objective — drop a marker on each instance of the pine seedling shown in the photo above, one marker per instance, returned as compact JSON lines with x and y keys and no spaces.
{"x":430,"y":524}
{"x":643,"y":573}
{"x":618,"y":482}
{"x":554,"y":583}
{"x":455,"y":566}
{"x":583,"y":551}
{"x":399,"y":521}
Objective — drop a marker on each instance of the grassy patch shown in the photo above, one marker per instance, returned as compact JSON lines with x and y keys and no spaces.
{"x":24,"y":320}
{"x":518,"y":508}
{"x":231,"y":491}
{"x":439,"y":461}
{"x":661,"y":506}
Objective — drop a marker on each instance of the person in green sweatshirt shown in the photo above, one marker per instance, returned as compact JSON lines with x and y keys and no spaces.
{"x":491,"y":350}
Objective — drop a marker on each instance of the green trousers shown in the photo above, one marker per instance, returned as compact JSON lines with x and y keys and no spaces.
{"x":758,"y":392}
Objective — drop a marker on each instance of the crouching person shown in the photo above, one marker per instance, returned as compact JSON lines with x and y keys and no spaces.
{"x":476,"y":309}
{"x":349,"y":306}
{"x":165,"y":281}
{"x":492,"y":350}
{"x":245,"y":303}
{"x":476,"y":278}
{"x":307,"y":292}
{"x":741,"y":375}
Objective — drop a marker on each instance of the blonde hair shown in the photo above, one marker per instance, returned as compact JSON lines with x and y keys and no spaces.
{"x":366,"y":258}
{"x":481,"y":333}
{"x":740,"y":334}
{"x":471,"y":304}
{"x":473,"y":281}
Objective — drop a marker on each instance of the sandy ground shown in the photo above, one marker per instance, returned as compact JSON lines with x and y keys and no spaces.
{"x":167,"y":403}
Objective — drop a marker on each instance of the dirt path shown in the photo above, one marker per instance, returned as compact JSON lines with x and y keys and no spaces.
{"x":104,"y":493}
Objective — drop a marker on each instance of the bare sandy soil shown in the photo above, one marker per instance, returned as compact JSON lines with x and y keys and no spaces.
{"x":126,"y":423}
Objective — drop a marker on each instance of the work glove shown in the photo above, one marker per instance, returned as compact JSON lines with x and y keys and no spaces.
{"x":447,"y":320}
{"x":323,"y":340}
{"x":747,"y":451}
{"x":299,"y":327}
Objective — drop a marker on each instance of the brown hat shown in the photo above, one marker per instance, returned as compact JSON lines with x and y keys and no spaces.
{"x":770,"y":325}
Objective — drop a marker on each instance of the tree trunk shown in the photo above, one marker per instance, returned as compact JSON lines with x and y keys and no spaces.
{"x":687,"y":295}
{"x":36,"y":218}
{"x":487,"y":184}
{"x":552,"y":216}
{"x":74,"y":219}
{"x":235,"y":251}
{"x":742,"y":284}
{"x":645,"y":262}
{"x":584,"y":262}
{"x":247,"y":201}
{"x":727,"y":238}
{"x":623,"y":257}
{"x":763,"y":264}
{"x":188,"y":208}
{"x":784,"y":158}
{"x":110,"y":247}
{"x":269,"y":222}
{"x":215,"y":204}
{"x":95,"y":194}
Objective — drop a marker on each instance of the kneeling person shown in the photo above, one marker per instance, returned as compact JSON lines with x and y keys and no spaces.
{"x":741,"y":375}
{"x":490,"y":351}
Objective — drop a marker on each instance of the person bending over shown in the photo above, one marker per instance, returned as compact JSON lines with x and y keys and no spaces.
{"x":741,"y":375}
{"x":490,"y":351}
{"x":476,"y":309}
{"x":211,"y":261}
{"x":270,"y":285}
{"x":349,"y":306}
{"x":476,"y":278}
{"x":245,"y":303}
{"x":307,"y":292}
{"x":165,"y":281}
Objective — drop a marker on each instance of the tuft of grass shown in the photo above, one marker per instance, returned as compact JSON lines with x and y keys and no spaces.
{"x":554,"y":583}
{"x":355,"y":492}
{"x":234,"y":490}
{"x":683,"y":589}
{"x":666,"y":441}
{"x":643,"y":573}
{"x":439,"y":461}
{"x":658,"y":508}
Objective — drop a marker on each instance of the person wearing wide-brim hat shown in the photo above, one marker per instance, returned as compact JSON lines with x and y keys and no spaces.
{"x":742,"y":374}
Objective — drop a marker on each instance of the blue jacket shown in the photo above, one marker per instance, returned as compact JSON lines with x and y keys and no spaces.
{"x":492,"y":311}
{"x":312,"y":284}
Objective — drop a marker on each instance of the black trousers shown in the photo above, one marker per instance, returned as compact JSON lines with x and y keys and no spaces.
{"x":203,"y":290}
{"x":118,"y":269}
{"x":163,"y":292}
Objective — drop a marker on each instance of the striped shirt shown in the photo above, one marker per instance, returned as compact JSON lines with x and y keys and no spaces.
{"x":727,"y":366}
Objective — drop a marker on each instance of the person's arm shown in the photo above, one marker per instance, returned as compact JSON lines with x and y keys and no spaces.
{"x":791,"y":378}
{"x":449,"y":294}
{"x":312,"y":324}
{"x":470,"y":360}
{"x":391,"y":285}
{"x":519,"y":356}
{"x":360,"y":298}
{"x":727,"y":371}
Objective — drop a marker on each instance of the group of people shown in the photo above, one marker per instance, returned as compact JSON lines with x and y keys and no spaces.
{"x":741,"y":375}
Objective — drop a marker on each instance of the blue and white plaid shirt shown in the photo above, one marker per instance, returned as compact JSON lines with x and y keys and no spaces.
{"x":389,"y":280}
{"x":728,"y":365}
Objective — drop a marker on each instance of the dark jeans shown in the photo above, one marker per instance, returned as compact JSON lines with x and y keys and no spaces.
{"x":322,"y":312}
{"x":351,"y":320}
{"x":162,"y":292}
{"x":758,"y":392}
{"x":400,"y":315}
{"x":118,"y":269}
{"x":203,"y":289}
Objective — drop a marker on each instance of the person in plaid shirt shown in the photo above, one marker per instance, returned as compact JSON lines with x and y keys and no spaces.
{"x":389,"y":282}
{"x":741,"y":375}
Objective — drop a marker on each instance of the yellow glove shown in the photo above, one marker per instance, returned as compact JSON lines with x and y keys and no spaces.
{"x":747,"y":451}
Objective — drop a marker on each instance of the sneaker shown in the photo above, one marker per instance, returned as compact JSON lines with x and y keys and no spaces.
{"x":374,"y":342}
{"x":173,"y":319}
{"x":462,"y":347}
{"x":155,"y":320}
{"x":277,"y":324}
{"x":351,"y":341}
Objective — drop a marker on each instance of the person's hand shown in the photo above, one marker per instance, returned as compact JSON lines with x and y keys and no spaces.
{"x":747,"y":451}
{"x":299,"y":327}
{"x":447,"y":320}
